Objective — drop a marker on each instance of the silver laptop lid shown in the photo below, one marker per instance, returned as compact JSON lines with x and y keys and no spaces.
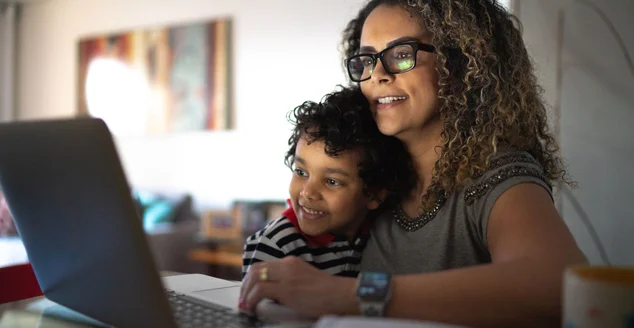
{"x":73,"y":208}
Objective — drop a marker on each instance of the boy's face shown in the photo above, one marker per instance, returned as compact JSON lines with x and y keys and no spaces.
{"x":327,"y":192}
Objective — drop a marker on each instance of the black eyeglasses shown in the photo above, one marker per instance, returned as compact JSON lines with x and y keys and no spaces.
{"x":396,"y":59}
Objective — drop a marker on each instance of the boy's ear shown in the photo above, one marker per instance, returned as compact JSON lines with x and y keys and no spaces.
{"x":377,"y":199}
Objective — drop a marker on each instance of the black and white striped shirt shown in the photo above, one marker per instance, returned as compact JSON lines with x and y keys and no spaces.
{"x":282,"y":237}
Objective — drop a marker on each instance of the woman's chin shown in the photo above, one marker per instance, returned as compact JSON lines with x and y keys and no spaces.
{"x":389,"y":129}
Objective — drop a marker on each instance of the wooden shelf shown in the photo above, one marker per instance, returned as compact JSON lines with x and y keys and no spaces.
{"x":224,"y":257}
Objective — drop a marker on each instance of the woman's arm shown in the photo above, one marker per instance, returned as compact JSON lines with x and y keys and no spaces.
{"x":530,"y":246}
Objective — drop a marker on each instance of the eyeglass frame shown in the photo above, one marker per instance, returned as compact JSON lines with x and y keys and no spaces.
{"x":416,"y":45}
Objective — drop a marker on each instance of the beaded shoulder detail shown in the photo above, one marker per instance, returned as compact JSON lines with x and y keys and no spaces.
{"x":477,"y":190}
{"x":506,"y":159}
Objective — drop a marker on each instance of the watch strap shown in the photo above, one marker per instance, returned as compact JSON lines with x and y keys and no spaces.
{"x":372,"y":309}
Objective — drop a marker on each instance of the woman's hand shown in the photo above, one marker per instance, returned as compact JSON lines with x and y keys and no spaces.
{"x":299,"y":286}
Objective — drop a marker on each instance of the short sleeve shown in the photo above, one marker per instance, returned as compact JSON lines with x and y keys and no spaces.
{"x":505,"y":171}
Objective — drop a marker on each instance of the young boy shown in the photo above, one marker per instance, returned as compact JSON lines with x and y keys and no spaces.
{"x":343,"y":168}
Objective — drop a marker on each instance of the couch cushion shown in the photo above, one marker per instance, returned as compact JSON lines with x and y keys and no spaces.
{"x":156,"y":209}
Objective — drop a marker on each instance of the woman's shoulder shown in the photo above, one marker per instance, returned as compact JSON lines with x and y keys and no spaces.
{"x":507,"y":167}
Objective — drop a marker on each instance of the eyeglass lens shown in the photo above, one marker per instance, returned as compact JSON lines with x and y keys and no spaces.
{"x":396,"y":60}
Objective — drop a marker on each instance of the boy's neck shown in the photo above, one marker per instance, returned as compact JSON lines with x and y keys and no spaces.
{"x":352,"y":230}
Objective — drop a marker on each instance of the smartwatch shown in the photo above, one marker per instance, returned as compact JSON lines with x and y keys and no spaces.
{"x":373,"y":293}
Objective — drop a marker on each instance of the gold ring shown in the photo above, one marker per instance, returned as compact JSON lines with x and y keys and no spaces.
{"x":264,"y":274}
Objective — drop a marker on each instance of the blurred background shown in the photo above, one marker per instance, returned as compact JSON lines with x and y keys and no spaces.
{"x":197,"y":92}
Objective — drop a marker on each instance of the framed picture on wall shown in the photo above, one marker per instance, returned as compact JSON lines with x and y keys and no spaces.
{"x":159,"y":80}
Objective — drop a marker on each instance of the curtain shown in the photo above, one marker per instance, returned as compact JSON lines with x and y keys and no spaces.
{"x":7,"y":60}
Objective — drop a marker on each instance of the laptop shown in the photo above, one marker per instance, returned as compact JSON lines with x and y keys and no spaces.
{"x":73,"y":209}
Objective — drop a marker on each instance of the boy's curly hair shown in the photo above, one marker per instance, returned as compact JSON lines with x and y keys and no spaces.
{"x":488,"y":91}
{"x":343,"y":121}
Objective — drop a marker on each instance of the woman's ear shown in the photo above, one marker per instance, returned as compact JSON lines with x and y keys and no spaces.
{"x":377,"y":199}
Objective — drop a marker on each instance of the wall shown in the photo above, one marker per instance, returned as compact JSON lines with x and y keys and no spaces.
{"x":282,"y":57}
{"x":588,"y":78}
{"x":7,"y":60}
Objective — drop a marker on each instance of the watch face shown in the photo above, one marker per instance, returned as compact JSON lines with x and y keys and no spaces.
{"x":373,"y":286}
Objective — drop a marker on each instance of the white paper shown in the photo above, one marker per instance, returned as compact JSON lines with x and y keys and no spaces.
{"x":365,"y":322}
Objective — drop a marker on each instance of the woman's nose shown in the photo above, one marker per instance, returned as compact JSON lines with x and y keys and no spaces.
{"x":379,"y":74}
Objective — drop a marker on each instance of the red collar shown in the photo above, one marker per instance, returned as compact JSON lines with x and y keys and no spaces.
{"x":323,"y":239}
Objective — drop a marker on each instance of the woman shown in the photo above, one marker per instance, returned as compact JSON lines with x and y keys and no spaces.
{"x":479,"y":241}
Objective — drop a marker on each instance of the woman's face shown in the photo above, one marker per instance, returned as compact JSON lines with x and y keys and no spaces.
{"x":414,"y":111}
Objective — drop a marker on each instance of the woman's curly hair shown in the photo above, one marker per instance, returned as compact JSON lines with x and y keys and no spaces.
{"x":488,"y":91}
{"x":343,"y":122}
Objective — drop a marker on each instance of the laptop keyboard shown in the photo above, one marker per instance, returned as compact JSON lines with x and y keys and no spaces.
{"x":198,"y":314}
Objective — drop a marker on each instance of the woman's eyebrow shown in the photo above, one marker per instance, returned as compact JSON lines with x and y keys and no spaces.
{"x":367,"y":49}
{"x":402,"y":39}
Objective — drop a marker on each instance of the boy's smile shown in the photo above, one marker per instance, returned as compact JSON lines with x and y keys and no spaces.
{"x":310,"y":213}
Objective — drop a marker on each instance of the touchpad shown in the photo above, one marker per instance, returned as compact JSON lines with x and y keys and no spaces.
{"x":227,"y":297}
{"x":278,"y":313}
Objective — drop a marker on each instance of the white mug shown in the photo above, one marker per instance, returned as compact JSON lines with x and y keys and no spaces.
{"x":598,"y":296}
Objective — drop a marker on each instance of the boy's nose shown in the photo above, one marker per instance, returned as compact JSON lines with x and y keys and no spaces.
{"x":309,"y":191}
